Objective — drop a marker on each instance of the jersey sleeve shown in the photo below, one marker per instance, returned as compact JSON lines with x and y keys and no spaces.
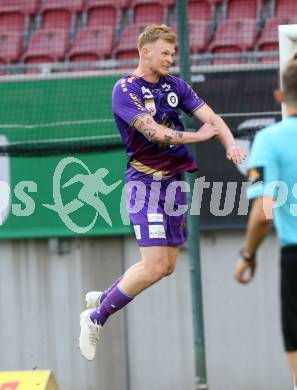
{"x":126,"y":102}
{"x":189,"y":100}
{"x":263,"y":168}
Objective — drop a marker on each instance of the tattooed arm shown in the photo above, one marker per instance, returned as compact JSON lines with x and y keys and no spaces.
{"x":154,"y":132}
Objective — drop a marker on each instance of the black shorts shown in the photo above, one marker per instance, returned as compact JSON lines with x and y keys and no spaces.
{"x":288,"y":279}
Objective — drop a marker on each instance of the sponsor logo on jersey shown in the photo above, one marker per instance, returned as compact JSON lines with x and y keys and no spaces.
{"x":157,"y":231}
{"x":136,"y":101}
{"x":147,"y":94}
{"x":155,"y":217}
{"x":166,"y":87}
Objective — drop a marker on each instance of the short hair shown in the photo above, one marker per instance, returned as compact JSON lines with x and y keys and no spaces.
{"x":154,"y":32}
{"x":290,"y":81}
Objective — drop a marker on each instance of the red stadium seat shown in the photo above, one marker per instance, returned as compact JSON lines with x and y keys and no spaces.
{"x":286,"y":8}
{"x":198,"y":36}
{"x":15,"y":13}
{"x":26,"y":7}
{"x":119,"y":4}
{"x":10,"y":47}
{"x":13,"y":22}
{"x":47,"y":46}
{"x":92,"y":44}
{"x":102,"y":13}
{"x":234,"y":36}
{"x":243,"y":9}
{"x":269,"y":38}
{"x":149,"y":11}
{"x":59,"y":13}
{"x":127,"y":45}
{"x":199,"y":10}
{"x":127,"y":55}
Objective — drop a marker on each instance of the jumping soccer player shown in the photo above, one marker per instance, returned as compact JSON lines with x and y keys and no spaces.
{"x":146,"y":108}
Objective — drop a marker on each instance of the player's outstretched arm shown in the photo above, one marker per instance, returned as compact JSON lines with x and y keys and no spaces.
{"x":233,"y":152}
{"x":154,"y":132}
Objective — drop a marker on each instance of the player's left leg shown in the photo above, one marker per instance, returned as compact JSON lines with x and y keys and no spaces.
{"x":95,"y":298}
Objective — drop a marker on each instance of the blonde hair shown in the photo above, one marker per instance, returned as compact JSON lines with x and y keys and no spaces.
{"x":154,"y":32}
{"x":290,"y":81}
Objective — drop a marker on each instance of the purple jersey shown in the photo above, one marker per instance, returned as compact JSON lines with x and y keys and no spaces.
{"x":132,"y":96}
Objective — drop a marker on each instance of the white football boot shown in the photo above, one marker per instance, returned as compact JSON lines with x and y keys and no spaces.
{"x":89,"y":335}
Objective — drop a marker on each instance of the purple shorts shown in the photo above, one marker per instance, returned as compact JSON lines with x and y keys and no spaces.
{"x":156,"y":208}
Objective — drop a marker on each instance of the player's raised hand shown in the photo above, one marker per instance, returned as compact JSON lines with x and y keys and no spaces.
{"x":236,"y":154}
{"x":206,"y":132}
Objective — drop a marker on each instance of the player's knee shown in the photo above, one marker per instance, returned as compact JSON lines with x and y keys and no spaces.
{"x":170,"y":269}
{"x":158,"y":270}
{"x":158,"y":273}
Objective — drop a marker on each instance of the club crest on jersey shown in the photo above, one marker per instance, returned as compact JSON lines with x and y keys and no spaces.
{"x":172,"y":99}
{"x":150,"y":106}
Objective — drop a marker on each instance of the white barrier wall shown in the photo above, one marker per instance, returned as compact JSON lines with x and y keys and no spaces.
{"x":150,"y":345}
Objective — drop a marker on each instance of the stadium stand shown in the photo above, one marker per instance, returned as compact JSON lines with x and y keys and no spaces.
{"x":244,"y":9}
{"x":14,"y":14}
{"x":60,"y":14}
{"x":13,"y":22}
{"x":234,"y":36}
{"x":269,"y":38}
{"x":11,"y":44}
{"x":199,"y":36}
{"x":47,"y":46}
{"x":199,"y":10}
{"x":102,"y":13}
{"x":104,"y":29}
{"x":150,"y":11}
{"x":92,"y":44}
{"x":26,"y":7}
{"x":126,"y":48}
{"x":286,"y":8}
